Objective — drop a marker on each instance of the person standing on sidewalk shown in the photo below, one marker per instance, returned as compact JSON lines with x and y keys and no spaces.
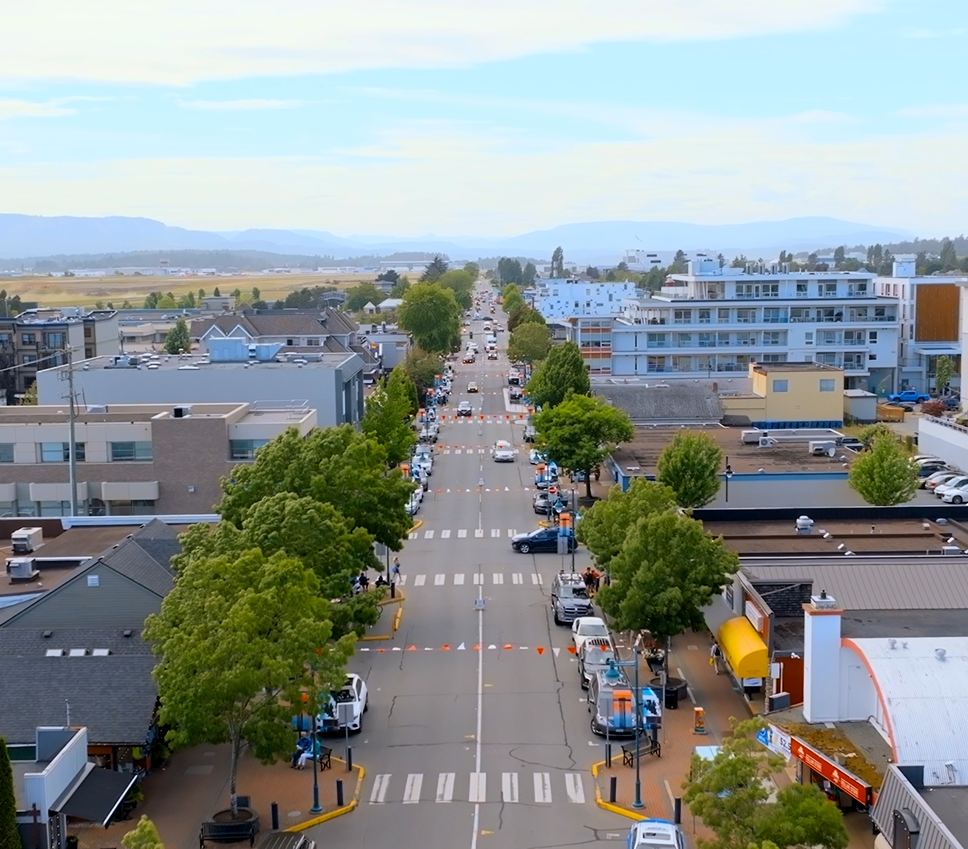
{"x":716,"y":657}
{"x":395,"y":570}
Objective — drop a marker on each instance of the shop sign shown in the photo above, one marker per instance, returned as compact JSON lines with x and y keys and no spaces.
{"x":834,"y":773}
{"x":776,"y":740}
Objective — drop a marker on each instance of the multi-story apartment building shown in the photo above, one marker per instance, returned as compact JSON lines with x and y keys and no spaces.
{"x":929,"y":322}
{"x":567,"y":298}
{"x":641,"y":260}
{"x":41,"y":338}
{"x":133,"y":459}
{"x":719,"y":320}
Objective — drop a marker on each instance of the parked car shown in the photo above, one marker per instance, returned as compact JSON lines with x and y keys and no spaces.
{"x":543,"y":503}
{"x":656,"y":834}
{"x":541,"y":540}
{"x":424,"y":461}
{"x":956,"y":482}
{"x":515,"y":393}
{"x":413,"y":505}
{"x":929,"y":469}
{"x":956,"y":495}
{"x":909,"y":396}
{"x":851,"y":442}
{"x":535,"y":457}
{"x":352,"y":693}
{"x":464,"y":408}
{"x":503,"y":452}
{"x":585,"y":627}
{"x":939,"y":478}
{"x":595,"y":654}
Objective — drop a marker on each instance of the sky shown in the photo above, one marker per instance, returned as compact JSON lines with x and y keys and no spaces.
{"x":450,"y":117}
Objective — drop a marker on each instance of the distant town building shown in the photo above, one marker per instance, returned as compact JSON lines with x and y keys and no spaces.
{"x":644,"y":260}
{"x":566,"y":298}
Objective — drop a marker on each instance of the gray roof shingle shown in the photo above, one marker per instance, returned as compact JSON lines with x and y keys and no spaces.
{"x":673,"y":402}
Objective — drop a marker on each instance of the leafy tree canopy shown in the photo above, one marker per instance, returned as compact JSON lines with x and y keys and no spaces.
{"x":581,"y":432}
{"x":524,"y":315}
{"x":509,"y":270}
{"x":561,"y":372}
{"x":338,"y":466}
{"x":143,"y":836}
{"x":530,"y":342}
{"x":401,"y":287}
{"x":513,"y":301}
{"x":473,"y":269}
{"x":431,"y":315}
{"x":461,"y":283}
{"x":388,"y":416}
{"x":690,"y":465}
{"x":178,"y":338}
{"x":667,"y":571}
{"x":884,"y":474}
{"x":437,"y":268}
{"x":422,"y":367}
{"x":529,"y":274}
{"x":358,"y":297}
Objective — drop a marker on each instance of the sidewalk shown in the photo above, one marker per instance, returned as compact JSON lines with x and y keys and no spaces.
{"x":193,"y":785}
{"x":662,"y":777}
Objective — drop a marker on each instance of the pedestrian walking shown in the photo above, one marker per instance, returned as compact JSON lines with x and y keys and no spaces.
{"x":395,"y":570}
{"x":364,"y":581}
{"x":716,"y":657}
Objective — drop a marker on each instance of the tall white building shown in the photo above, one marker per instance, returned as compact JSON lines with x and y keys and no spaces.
{"x":561,"y":298}
{"x":716,"y":320}
{"x":642,"y":260}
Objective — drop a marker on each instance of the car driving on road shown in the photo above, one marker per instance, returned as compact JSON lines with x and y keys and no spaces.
{"x":472,"y":387}
{"x":503,"y":452}
{"x":464,"y":408}
{"x":541,"y":540}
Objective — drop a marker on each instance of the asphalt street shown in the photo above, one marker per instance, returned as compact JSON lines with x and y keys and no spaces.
{"x":477,"y":733}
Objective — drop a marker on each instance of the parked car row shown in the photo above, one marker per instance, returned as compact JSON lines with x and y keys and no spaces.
{"x":948,"y":483}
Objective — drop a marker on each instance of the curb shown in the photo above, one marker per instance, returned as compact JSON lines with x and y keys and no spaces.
{"x":608,"y":806}
{"x":372,"y":638}
{"x":416,"y":526}
{"x":338,"y":812}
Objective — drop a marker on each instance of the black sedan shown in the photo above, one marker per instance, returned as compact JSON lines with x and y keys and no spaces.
{"x":543,"y":539}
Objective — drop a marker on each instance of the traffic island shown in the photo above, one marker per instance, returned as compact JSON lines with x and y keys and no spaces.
{"x":389,"y":621}
{"x":349,"y":803}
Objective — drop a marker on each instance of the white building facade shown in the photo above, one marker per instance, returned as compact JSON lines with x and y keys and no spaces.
{"x":641,"y":260}
{"x":719,"y":320}
{"x":567,"y":298}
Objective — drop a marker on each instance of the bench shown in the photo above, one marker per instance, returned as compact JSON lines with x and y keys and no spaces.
{"x":325,"y":758}
{"x":646,"y":747}
{"x":228,"y":832}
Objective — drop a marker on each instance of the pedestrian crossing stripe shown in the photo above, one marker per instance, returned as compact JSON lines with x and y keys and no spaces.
{"x":450,"y":789}
{"x":440,"y":579}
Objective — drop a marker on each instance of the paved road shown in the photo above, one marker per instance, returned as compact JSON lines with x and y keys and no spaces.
{"x":477,"y":733}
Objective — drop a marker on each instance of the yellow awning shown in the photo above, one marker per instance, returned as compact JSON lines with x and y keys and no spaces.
{"x":743,"y":648}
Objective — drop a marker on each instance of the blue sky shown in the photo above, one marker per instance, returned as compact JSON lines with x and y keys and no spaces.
{"x":494,"y":118}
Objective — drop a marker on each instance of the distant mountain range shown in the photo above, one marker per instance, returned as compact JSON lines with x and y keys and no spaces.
{"x":32,"y":237}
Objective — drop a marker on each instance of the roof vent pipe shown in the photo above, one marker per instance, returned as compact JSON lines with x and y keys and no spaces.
{"x":940,"y":654}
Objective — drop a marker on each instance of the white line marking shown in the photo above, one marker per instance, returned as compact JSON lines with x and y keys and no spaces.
{"x":509,"y":787}
{"x":402,"y":581}
{"x":411,"y":794}
{"x":542,"y":787}
{"x":445,"y":534}
{"x":379,"y":793}
{"x":428,"y":534}
{"x":478,"y":578}
{"x":495,"y":532}
{"x":439,"y":580}
{"x":462,"y":533}
{"x":556,"y":650}
{"x":575,"y":788}
{"x":414,"y":535}
{"x":420,"y":580}
{"x":445,"y":787}
{"x":478,"y":789}
{"x":457,"y":451}
{"x":478,"y":532}
{"x":459,"y":580}
{"x":535,"y":578}
{"x":512,"y":532}
{"x":517,"y":578}
{"x":498,"y":578}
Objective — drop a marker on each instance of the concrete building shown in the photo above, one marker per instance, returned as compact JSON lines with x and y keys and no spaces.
{"x":642,"y":260}
{"x":133,"y":459}
{"x":717,"y":321}
{"x":929,"y":322}
{"x":40,"y":338}
{"x":566,"y":298}
{"x":388,"y":343}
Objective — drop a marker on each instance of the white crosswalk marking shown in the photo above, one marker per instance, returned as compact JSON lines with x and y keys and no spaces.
{"x":478,"y":578}
{"x":478,"y":533}
{"x":512,"y":532}
{"x":542,"y":787}
{"x":575,"y":788}
{"x":447,"y":451}
{"x":439,"y":580}
{"x":401,"y":581}
{"x":420,"y":580}
{"x":478,"y":787}
{"x":457,"y":451}
{"x":428,"y":534}
{"x":535,"y":578}
{"x":517,"y":578}
{"x":378,"y":794}
{"x":445,"y":534}
{"x":414,"y":535}
{"x":462,"y":533}
{"x":480,"y":450}
{"x":459,"y":579}
{"x":498,"y":578}
{"x":411,"y":793}
{"x":495,"y":532}
{"x":445,"y":787}
{"x":509,"y":787}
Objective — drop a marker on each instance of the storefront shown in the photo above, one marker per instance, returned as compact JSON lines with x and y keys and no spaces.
{"x":840,"y":785}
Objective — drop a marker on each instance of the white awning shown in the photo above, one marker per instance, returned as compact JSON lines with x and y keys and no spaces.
{"x":56,"y":491}
{"x":951,"y":350}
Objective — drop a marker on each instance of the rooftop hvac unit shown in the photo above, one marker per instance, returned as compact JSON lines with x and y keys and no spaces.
{"x":22,"y":568}
{"x":950,"y":549}
{"x":96,"y":408}
{"x":26,"y":540}
{"x":181,"y":412}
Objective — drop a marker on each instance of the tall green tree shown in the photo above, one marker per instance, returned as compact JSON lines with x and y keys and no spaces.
{"x":605,"y":526}
{"x":581,"y":432}
{"x":29,"y":398}
{"x":9,"y":836}
{"x":690,"y":465}
{"x":461,"y":283}
{"x":359,"y":296}
{"x":400,"y":287}
{"x":530,"y":342}
{"x":944,"y":370}
{"x":239,"y":641}
{"x":435,"y":270}
{"x":388,"y":417}
{"x":338,"y":466}
{"x":561,"y":372}
{"x":667,"y":570}
{"x":529,"y":274}
{"x":431,"y":315}
{"x":558,"y":264}
{"x":473,"y":269}
{"x":884,"y":475}
{"x":839,"y":255}
{"x":509,"y":270}
{"x":523,"y":316}
{"x":143,"y":836}
{"x":512,"y":299}
{"x":731,"y":794}
{"x":422,"y":367}
{"x":178,"y":339}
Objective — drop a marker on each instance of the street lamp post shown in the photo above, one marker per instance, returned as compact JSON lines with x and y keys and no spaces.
{"x":316,"y":808}
{"x":728,"y":475}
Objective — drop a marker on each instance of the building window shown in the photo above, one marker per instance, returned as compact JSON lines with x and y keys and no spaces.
{"x":4,"y":338}
{"x":704,"y":316}
{"x":290,"y":342}
{"x":54,"y":340}
{"x":30,"y":359}
{"x":60,"y":452}
{"x":6,"y":452}
{"x":780,"y":385}
{"x":745,"y":316}
{"x":802,"y":289}
{"x":28,"y":338}
{"x":55,"y":508}
{"x":8,"y":509}
{"x":722,"y":316}
{"x":128,"y":452}
{"x":771,"y":337}
{"x":872,"y":337}
{"x":827,"y":385}
{"x":137,"y":507}
{"x":312,"y":342}
{"x":244,"y":449}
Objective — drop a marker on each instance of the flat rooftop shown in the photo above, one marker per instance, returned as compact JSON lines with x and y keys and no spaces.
{"x":950,"y":804}
{"x":281,"y":411}
{"x":766,"y":368}
{"x":168,"y":362}
{"x":874,"y":624}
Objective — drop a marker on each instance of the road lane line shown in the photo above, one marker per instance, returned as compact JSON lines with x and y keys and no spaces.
{"x":445,"y":787}
{"x":459,"y":579}
{"x":575,"y":788}
{"x":478,"y":790}
{"x":379,"y":793}
{"x":439,"y":580}
{"x":420,"y":580}
{"x":535,"y":578}
{"x":542,"y":787}
{"x":475,"y":785}
{"x":478,"y":578}
{"x":411,"y":794}
{"x":509,"y":787}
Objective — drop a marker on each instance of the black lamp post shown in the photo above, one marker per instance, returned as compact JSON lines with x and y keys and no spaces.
{"x":316,"y":808}
{"x":728,"y":475}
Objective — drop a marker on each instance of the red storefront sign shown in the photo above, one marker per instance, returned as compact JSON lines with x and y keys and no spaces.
{"x":834,"y":773}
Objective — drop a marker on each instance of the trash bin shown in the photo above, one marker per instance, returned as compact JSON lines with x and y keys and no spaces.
{"x":672,"y":698}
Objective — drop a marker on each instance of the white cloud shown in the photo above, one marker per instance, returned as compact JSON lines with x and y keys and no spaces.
{"x":952,"y":111}
{"x":183,"y":41}
{"x":27,"y":109}
{"x":240,"y":105}
{"x":400,"y":182}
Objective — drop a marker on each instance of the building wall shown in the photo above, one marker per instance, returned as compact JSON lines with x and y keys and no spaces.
{"x":803,"y":400}
{"x":192,"y":457}
{"x":945,"y":439}
{"x":937,"y":313}
{"x":567,"y":298}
